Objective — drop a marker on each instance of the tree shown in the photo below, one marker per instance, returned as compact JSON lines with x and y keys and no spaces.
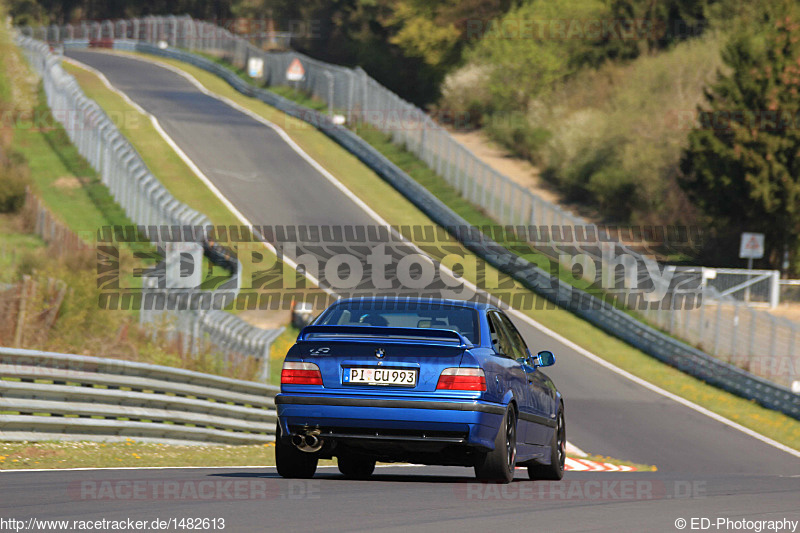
{"x":742,"y":164}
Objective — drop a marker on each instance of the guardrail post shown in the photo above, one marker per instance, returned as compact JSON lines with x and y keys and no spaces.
{"x":716,"y":328}
{"x":773,"y":323}
{"x":752,"y":340}
{"x":732,"y":357}
{"x":774,"y":289}
{"x":263,"y":375}
{"x":701,"y":327}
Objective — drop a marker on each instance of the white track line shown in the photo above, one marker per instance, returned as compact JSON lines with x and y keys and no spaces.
{"x":547,"y":331}
{"x":249,"y":467}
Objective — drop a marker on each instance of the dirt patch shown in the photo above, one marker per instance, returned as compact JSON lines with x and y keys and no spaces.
{"x":789,"y":311}
{"x":35,"y":453}
{"x":67,"y":182}
{"x":519,"y":170}
{"x":266,"y":319}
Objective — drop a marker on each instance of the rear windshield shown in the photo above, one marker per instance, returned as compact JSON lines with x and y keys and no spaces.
{"x":404,"y":315}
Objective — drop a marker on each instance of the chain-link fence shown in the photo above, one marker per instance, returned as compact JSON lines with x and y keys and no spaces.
{"x":145,"y":200}
{"x":724,"y":326}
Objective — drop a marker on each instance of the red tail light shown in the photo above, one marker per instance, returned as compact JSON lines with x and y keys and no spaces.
{"x":462,"y":379}
{"x":294,"y":373}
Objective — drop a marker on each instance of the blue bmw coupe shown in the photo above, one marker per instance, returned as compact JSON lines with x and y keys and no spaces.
{"x":439,"y":382}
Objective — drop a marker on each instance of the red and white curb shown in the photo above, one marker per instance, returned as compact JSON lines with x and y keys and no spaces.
{"x":574,"y":464}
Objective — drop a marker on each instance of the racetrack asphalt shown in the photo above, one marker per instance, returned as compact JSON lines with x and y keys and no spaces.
{"x":398,"y":499}
{"x":606,"y":413}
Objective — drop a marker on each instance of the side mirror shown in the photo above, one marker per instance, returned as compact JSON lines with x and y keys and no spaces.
{"x":546,"y":358}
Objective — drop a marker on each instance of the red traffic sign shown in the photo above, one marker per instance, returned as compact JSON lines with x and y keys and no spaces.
{"x":295,"y":72}
{"x":751,"y":246}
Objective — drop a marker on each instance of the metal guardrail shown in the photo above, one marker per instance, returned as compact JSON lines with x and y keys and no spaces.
{"x":600,"y":313}
{"x":53,"y":396}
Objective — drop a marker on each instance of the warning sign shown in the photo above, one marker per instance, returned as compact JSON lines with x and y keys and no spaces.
{"x":752,"y":246}
{"x":295,"y":72}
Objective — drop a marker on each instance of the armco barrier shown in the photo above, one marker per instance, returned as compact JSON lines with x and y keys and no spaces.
{"x":600,"y":313}
{"x":53,"y":396}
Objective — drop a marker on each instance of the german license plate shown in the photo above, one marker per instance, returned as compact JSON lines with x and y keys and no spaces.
{"x":380,"y":376}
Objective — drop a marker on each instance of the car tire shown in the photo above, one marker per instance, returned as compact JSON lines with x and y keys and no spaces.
{"x":498,"y":465}
{"x":355,"y":466}
{"x":558,"y":453}
{"x":291,"y":462}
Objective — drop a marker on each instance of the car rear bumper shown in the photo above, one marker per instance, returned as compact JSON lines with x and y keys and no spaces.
{"x":468,"y":422}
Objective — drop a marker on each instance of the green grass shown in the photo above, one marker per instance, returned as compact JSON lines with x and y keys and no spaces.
{"x":14,"y":244}
{"x":300,"y":97}
{"x":605,"y":459}
{"x":86,"y":454}
{"x":398,"y":211}
{"x":277,"y":352}
{"x":63,"y":179}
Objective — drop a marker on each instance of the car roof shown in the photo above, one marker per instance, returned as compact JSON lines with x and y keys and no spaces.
{"x":480,"y":306}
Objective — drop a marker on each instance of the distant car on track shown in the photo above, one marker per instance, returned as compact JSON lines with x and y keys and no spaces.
{"x":438,"y":382}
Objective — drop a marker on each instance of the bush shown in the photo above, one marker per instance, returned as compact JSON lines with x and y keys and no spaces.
{"x":523,"y":139}
{"x":465,"y":94}
{"x":13,"y":181}
{"x":606,"y":124}
{"x":618,"y":132}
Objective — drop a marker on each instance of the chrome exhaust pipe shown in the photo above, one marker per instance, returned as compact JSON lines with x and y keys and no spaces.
{"x":308,"y":443}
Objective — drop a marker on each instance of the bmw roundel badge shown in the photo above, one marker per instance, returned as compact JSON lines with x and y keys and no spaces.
{"x":380,"y":353}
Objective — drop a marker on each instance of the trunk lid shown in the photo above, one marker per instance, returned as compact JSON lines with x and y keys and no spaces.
{"x":346,"y":354}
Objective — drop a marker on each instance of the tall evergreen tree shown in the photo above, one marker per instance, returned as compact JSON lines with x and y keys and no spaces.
{"x":742,"y":164}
